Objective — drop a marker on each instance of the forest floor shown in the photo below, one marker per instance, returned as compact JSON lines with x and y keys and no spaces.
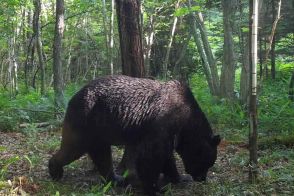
{"x":24,"y":159}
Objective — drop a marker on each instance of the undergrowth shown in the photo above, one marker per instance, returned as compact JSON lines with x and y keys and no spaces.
{"x":275,"y":111}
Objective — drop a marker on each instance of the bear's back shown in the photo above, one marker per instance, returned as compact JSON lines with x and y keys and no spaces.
{"x":130,"y":101}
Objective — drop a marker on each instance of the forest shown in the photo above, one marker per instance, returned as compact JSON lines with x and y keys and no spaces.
{"x":236,"y":56}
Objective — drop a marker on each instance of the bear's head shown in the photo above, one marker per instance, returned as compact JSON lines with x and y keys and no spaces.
{"x":198,"y":154}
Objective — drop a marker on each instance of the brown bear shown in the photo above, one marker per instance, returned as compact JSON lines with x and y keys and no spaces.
{"x":151,"y":118}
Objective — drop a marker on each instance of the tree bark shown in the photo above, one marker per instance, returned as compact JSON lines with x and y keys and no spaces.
{"x":229,"y":63}
{"x":57,"y":50}
{"x":128,"y":15}
{"x":253,"y":93}
{"x":111,"y":43}
{"x":106,"y":32}
{"x":149,"y":43}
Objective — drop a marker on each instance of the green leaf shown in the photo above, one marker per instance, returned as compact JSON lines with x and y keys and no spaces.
{"x":245,"y":29}
{"x":181,"y":11}
{"x":107,"y":187}
{"x":185,"y":10}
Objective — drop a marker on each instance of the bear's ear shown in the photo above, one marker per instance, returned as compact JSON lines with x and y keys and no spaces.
{"x":216,"y":140}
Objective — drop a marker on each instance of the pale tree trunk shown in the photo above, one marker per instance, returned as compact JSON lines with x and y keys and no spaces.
{"x":111,"y":41}
{"x":67,"y":71}
{"x":197,"y":37}
{"x":227,"y":79}
{"x":253,"y":167}
{"x":30,"y":50}
{"x":171,"y":38}
{"x":208,"y":52}
{"x":271,"y":45}
{"x":200,"y":36}
{"x":206,"y":67}
{"x":13,"y":66}
{"x":149,"y":43}
{"x":244,"y":48}
{"x":57,"y":50}
{"x":106,"y":32}
{"x":37,"y":34}
{"x":177,"y":68}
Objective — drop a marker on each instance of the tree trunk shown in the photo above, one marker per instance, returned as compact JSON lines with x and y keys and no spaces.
{"x":177,"y":68}
{"x":273,"y":58}
{"x":229,"y":64}
{"x":244,"y":81}
{"x":171,"y":38}
{"x":57,"y":50}
{"x":106,"y":33}
{"x":37,"y":35}
{"x":207,"y":71}
{"x":271,"y":48}
{"x":149,"y":43}
{"x":128,"y":15}
{"x":253,"y":93}
{"x":260,"y":57}
{"x":111,"y":36}
{"x":244,"y":48}
{"x":12,"y":68}
{"x":197,"y":37}
{"x":208,"y":52}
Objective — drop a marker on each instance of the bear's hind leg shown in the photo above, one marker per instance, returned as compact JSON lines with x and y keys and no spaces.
{"x":102,"y":158}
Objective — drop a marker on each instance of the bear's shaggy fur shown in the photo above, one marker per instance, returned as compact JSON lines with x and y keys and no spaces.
{"x":146,"y":116}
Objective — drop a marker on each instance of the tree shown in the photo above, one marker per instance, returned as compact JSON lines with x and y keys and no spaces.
{"x":57,"y":50}
{"x":128,"y":16}
{"x":38,"y":42}
{"x":253,"y":91}
{"x":199,"y":33}
{"x":229,"y":63}
{"x":171,"y":38}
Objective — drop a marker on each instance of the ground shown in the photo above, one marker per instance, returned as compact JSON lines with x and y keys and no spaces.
{"x":24,"y":158}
